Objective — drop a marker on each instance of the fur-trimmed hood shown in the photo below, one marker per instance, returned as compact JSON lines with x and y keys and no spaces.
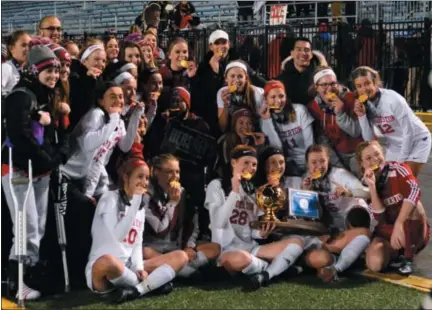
{"x":317,"y":57}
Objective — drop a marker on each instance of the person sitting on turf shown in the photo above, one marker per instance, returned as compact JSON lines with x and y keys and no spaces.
{"x":115,"y":258}
{"x":402,"y":223}
{"x":232,"y":206}
{"x":345,"y":214}
{"x":172,"y":222}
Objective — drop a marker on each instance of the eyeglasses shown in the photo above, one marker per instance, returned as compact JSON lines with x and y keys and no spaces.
{"x":52,"y":28}
{"x":326,"y":85}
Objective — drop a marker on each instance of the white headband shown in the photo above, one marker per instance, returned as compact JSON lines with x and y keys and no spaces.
{"x":128,"y":66}
{"x":236,"y":64}
{"x":323,"y":73}
{"x":123,"y":77}
{"x":90,"y":50}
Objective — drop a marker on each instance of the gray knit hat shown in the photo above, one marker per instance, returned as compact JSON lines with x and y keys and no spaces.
{"x":41,"y":57}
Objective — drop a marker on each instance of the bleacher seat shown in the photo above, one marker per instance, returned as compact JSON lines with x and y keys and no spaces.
{"x":98,"y":16}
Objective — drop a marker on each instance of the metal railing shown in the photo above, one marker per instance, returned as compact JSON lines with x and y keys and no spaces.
{"x":400,"y":51}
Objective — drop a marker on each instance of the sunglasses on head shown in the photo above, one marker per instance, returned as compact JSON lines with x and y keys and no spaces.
{"x":52,"y":28}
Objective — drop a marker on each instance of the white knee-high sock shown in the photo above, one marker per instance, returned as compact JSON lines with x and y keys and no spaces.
{"x":256,"y":265}
{"x":351,"y":252}
{"x":285,"y":259}
{"x":127,"y":278}
{"x":187,"y":271}
{"x":161,"y":275}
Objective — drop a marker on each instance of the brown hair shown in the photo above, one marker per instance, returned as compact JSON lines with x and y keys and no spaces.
{"x":368,"y":72}
{"x":316,"y":148}
{"x":312,"y":91}
{"x":147,"y":32}
{"x":362,"y":146}
{"x":109,"y":38}
{"x":13,"y":39}
{"x":158,"y":161}
{"x":134,"y":29}
{"x":249,"y":90}
{"x":122,"y":53}
{"x":176,"y":41}
{"x":127,"y":167}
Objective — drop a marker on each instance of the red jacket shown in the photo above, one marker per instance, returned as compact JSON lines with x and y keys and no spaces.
{"x":327,"y":124}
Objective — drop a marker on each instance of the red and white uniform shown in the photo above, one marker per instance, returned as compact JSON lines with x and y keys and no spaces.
{"x":406,"y":137}
{"x":117,"y":233}
{"x":230,"y":218}
{"x":401,"y":186}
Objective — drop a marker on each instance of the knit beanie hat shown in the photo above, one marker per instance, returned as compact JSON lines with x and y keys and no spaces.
{"x":40,"y":58}
{"x":38,"y":40}
{"x":61,"y":53}
{"x":239,"y":113}
{"x":271,"y":85}
{"x":183,"y":94}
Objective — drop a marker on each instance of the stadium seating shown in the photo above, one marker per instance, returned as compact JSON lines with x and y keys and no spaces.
{"x":98,"y":16}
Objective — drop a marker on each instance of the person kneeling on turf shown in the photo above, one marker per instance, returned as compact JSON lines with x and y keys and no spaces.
{"x":115,"y":258}
{"x":402,"y":223}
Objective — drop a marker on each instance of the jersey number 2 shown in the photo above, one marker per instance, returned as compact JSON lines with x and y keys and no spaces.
{"x":385,"y":128}
{"x":239,"y":217}
{"x":131,"y":237}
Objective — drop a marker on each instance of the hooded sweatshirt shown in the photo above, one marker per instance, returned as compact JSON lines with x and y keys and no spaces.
{"x":297,"y":83}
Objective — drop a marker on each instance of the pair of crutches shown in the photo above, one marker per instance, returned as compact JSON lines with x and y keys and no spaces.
{"x":20,"y":228}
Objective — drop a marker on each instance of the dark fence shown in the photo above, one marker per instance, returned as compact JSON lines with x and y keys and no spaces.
{"x":400,"y":51}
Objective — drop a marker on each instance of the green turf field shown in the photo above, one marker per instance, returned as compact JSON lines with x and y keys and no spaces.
{"x":303,"y":292}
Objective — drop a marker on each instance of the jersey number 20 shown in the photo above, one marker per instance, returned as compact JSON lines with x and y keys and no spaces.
{"x":131,"y":237}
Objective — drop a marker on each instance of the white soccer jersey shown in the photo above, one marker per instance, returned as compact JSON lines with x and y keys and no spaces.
{"x":294,"y":137}
{"x":339,"y":206}
{"x":118,"y":233}
{"x":397,"y":123}
{"x":231,"y":216}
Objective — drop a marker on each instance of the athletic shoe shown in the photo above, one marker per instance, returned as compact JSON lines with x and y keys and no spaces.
{"x":128,"y":294}
{"x":29,"y":293}
{"x":258,"y":280}
{"x":328,"y":274}
{"x":406,"y":269}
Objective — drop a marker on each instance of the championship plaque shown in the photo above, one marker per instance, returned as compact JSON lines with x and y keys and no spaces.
{"x":303,"y":214}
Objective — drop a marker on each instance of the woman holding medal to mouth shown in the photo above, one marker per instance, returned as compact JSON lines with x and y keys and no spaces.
{"x":345,"y":213}
{"x":395,"y":194}
{"x":288,"y":126}
{"x":336,"y":123}
{"x":406,"y":137}
{"x":232,"y":206}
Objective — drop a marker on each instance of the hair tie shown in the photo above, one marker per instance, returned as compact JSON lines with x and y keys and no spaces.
{"x":236,"y":64}
{"x":90,"y":50}
{"x":123,"y":77}
{"x":323,"y":73}
{"x":244,"y":152}
{"x":128,"y":66}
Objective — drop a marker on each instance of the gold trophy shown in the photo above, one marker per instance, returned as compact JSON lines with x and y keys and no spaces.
{"x":270,"y":198}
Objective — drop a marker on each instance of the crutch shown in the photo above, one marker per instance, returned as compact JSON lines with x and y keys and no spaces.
{"x":20,"y":229}
{"x":60,"y":209}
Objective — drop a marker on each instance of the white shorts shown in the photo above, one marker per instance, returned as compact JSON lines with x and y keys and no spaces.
{"x":310,"y":242}
{"x":162,"y":247}
{"x":419,"y":154}
{"x":250,"y":248}
{"x":89,"y":279}
{"x":421,"y":150}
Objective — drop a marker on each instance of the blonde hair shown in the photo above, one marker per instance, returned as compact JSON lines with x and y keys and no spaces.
{"x":368,"y":72}
{"x":362,"y":146}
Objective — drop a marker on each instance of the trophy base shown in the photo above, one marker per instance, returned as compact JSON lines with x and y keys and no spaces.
{"x":296,"y":226}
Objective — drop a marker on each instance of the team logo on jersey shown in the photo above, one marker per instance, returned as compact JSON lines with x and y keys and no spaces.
{"x":393,"y":200}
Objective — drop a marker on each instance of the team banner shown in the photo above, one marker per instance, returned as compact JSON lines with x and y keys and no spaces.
{"x":278,"y":14}
{"x":189,"y":144}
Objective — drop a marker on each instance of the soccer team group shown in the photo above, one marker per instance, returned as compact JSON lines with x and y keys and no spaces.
{"x":98,"y":116}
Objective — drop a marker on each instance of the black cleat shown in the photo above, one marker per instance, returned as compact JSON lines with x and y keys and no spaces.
{"x":258,"y":280}
{"x":406,"y":269}
{"x":164,"y":289}
{"x":127,"y":294}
